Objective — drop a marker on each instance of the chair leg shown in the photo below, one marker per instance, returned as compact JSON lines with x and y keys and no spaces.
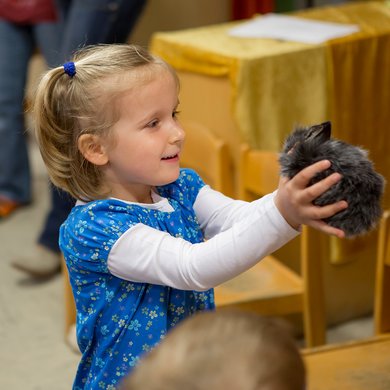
{"x":382,"y":284}
{"x":382,"y":310}
{"x":70,"y":308}
{"x":314,"y":249}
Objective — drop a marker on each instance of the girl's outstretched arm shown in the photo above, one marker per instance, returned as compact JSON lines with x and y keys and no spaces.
{"x":144,"y":254}
{"x":147,"y":255}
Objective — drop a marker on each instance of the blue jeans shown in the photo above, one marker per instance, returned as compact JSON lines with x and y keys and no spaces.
{"x":86,"y":22}
{"x":17,"y":44}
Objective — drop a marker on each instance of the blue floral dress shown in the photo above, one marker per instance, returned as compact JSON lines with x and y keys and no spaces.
{"x":118,"y":320}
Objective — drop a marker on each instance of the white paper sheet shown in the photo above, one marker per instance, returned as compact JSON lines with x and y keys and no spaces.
{"x":292,"y":28}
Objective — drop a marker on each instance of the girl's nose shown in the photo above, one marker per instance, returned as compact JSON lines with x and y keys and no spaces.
{"x":178,"y":133}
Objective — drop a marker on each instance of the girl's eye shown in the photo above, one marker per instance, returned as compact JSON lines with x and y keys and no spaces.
{"x":153,"y":123}
{"x":175,"y":113}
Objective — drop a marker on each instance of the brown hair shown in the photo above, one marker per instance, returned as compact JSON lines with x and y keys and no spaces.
{"x":66,"y":107}
{"x":222,"y":350}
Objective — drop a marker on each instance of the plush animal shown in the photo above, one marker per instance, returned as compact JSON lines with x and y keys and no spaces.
{"x":361,"y":186}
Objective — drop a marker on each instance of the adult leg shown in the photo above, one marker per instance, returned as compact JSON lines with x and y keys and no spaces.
{"x":127,"y":19}
{"x":45,"y":259}
{"x":48,"y":38}
{"x":99,"y":21}
{"x":61,"y":205}
{"x":16,"y":47}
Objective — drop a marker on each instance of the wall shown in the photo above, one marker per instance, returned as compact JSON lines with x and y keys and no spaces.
{"x":168,"y":15}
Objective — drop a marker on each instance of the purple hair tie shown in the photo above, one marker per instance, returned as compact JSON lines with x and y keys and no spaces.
{"x":70,"y":69}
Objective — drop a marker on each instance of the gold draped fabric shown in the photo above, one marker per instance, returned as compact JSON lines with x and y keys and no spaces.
{"x":359,"y":79}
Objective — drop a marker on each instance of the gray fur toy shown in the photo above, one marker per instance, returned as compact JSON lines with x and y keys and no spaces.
{"x":360,"y":185}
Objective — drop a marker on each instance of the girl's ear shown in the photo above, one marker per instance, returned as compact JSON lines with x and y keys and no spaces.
{"x":92,"y":148}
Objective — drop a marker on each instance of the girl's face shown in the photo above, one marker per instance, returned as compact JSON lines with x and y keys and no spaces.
{"x":146,"y":140}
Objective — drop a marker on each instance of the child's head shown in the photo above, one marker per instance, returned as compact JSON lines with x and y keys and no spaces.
{"x":115,"y":87}
{"x":223,"y":350}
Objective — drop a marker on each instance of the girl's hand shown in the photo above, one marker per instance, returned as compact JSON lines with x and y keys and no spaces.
{"x":295,"y":200}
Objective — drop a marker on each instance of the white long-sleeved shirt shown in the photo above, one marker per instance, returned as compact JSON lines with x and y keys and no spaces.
{"x":239,"y":234}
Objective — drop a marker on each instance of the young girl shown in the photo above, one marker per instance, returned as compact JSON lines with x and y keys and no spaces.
{"x":134,"y":244}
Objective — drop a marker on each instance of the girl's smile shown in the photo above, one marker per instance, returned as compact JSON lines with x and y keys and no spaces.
{"x":173,"y":158}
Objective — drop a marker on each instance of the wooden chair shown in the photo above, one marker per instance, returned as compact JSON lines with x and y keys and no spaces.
{"x":208,"y":155}
{"x":382,"y":285}
{"x":270,"y":287}
{"x":362,"y":364}
{"x":69,"y":304}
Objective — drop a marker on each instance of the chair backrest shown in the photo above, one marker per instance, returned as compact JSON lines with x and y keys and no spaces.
{"x":206,"y":154}
{"x":382,"y":287}
{"x":259,"y":174}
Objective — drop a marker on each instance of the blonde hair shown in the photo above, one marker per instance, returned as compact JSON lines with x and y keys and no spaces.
{"x":66,"y":107}
{"x":222,"y":350}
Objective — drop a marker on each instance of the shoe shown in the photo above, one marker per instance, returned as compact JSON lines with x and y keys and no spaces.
{"x":71,"y":339}
{"x":40,"y":263}
{"x":8,"y":206}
